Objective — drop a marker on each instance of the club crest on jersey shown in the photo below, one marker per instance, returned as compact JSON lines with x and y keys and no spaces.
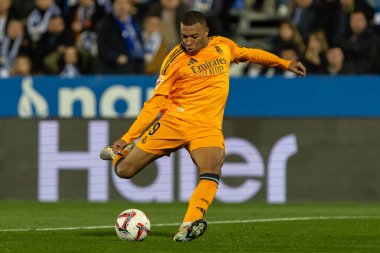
{"x":192,"y":61}
{"x":219,"y":50}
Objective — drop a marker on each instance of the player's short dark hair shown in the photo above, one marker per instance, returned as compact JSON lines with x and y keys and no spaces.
{"x":193,"y":17}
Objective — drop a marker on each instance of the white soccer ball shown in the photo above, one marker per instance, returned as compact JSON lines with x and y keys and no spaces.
{"x":132,"y":225}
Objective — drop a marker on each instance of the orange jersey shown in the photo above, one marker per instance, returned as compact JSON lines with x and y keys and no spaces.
{"x":197,"y":85}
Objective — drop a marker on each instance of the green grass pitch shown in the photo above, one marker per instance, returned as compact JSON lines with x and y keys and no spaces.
{"x":250,"y":227}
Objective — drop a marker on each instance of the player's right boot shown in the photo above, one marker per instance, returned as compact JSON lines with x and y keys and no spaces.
{"x":107,"y":154}
{"x":190,"y":230}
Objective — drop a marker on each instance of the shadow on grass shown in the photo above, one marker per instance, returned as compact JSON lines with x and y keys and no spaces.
{"x":162,"y":234}
{"x":99,"y":233}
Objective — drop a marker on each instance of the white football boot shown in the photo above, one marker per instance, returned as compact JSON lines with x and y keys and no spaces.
{"x":190,"y":230}
{"x":107,"y":153}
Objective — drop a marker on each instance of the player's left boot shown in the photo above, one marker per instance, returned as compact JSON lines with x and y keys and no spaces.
{"x":190,"y":230}
{"x":107,"y":153}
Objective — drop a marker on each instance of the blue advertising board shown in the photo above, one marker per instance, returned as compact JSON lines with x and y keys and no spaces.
{"x":123,"y":96}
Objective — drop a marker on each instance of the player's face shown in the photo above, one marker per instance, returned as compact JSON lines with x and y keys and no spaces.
{"x":194,"y":37}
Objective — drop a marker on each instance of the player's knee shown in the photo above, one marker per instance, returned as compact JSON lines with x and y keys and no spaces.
{"x":125,"y":170}
{"x":124,"y":174}
{"x":213,"y":170}
{"x":214,"y":167}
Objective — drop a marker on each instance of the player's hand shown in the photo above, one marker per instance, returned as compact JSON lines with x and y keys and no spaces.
{"x":297,"y":68}
{"x":118,"y":146}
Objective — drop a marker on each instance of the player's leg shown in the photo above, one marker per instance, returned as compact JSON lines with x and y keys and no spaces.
{"x":209,"y":161}
{"x":160,"y":139}
{"x":206,"y":147}
{"x":129,"y":165}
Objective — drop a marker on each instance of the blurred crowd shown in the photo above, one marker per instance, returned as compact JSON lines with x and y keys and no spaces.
{"x":330,"y":37}
{"x":79,"y":37}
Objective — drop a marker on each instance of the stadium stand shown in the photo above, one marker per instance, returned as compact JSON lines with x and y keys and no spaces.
{"x":252,"y":23}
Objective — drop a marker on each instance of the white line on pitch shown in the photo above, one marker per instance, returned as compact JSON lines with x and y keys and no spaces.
{"x":209,"y":222}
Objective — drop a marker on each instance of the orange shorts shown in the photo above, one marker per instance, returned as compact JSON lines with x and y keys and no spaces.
{"x":169,"y":134}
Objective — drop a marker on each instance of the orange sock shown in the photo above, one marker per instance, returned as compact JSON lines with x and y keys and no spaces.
{"x":115,"y":161}
{"x":117,"y":158}
{"x":202,"y":197}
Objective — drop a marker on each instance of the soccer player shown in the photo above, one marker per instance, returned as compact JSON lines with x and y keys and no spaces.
{"x":191,"y":94}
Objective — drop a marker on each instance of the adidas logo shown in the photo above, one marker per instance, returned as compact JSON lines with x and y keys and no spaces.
{"x":202,"y":210}
{"x":205,"y":200}
{"x":192,"y":61}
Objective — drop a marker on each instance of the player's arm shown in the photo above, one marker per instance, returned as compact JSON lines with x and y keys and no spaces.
{"x":268,"y":59}
{"x":147,"y":115}
{"x":265,"y":58}
{"x":152,"y":107}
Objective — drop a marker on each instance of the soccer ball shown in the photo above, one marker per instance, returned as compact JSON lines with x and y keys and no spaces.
{"x":132,"y":225}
